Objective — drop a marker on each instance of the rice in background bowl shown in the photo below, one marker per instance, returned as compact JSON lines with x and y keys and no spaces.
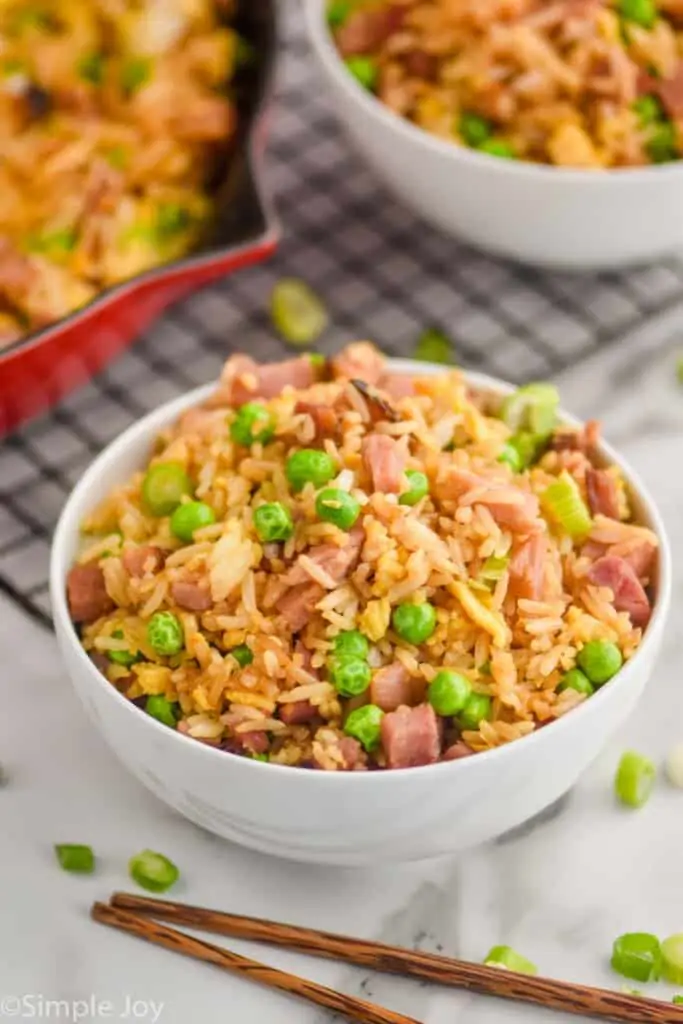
{"x":257,"y":805}
{"x":565,"y":217}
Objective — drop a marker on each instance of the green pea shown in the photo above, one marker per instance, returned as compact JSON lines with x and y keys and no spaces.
{"x":474,"y":130}
{"x":163,"y":487}
{"x":648,"y":108}
{"x":414,"y":623}
{"x":125,"y":658}
{"x":662,"y":146}
{"x":165,"y":633}
{"x":309,"y":466}
{"x":499,"y":148}
{"x":337,"y":12}
{"x":242,"y":655}
{"x":165,"y":711}
{"x":273,"y":522}
{"x":365,"y":725}
{"x":252,"y":424}
{"x":640,"y":12}
{"x":477,"y":708}
{"x":575,"y":680}
{"x":599,"y":660}
{"x":338,"y":507}
{"x":448,"y":692}
{"x":351,"y":643}
{"x":364,"y":70}
{"x":418,"y":489}
{"x":191,"y":516}
{"x":349,"y":676}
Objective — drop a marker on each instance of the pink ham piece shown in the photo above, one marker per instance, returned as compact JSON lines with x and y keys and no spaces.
{"x":603,"y":493}
{"x":298,"y":604}
{"x":456,"y":751}
{"x":254,"y":742}
{"x":299,"y":713}
{"x":359,"y":361}
{"x":351,"y":752}
{"x":191,"y":596}
{"x":511,"y":508}
{"x":324,"y":418}
{"x":385,"y":462}
{"x":87,"y":594}
{"x":411,"y":737}
{"x":140,"y":561}
{"x":527,"y":568}
{"x":243,"y":380}
{"x":391,"y":687}
{"x":629,"y":594}
{"x":337,"y":562}
{"x":397,"y":385}
{"x":670,"y":91}
{"x":366,"y":30}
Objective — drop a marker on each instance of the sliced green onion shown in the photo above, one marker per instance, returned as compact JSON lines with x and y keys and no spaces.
{"x":153,"y":871}
{"x":298,"y":314}
{"x":507,"y":957}
{"x":493,"y":569}
{"x":677,"y":1000}
{"x":637,"y":955}
{"x":672,"y":959}
{"x":663,"y":145}
{"x":337,"y":12}
{"x":76,"y":858}
{"x":498,"y":147}
{"x":628,"y":991}
{"x":473,"y":129}
{"x":521,"y":450}
{"x":260,"y":757}
{"x":532,"y":408}
{"x":364,"y":70}
{"x":171,"y":220}
{"x":635,"y":779}
{"x":648,"y":108}
{"x":134,"y":73}
{"x":91,"y":68}
{"x":563,"y":502}
{"x":434,"y":346}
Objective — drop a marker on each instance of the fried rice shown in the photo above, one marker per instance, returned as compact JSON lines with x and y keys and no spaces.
{"x":518,"y":589}
{"x":111,"y":113}
{"x":575,"y":83}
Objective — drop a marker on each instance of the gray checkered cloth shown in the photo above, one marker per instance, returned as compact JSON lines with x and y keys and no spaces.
{"x":383,"y":274}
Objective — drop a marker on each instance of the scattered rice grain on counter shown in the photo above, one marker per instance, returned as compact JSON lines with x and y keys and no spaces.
{"x":332,"y":566}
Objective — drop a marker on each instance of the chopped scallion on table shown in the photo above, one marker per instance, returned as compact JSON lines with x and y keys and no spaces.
{"x":677,"y":1000}
{"x":434,"y":346}
{"x":76,"y":858}
{"x":298,"y":314}
{"x":672,"y":959}
{"x":674,"y":766}
{"x":153,"y":871}
{"x":507,"y":957}
{"x":637,"y":955}
{"x":634,"y":780}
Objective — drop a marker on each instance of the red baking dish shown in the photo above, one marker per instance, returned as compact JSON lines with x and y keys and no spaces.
{"x":41,"y":368}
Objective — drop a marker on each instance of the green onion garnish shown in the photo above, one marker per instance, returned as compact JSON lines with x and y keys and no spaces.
{"x":298,"y":314}
{"x":672,"y":959}
{"x":493,"y":569}
{"x":134,"y":73}
{"x":532,"y":408}
{"x":434,"y":346}
{"x":153,"y":871}
{"x":76,"y":858}
{"x":91,"y":68}
{"x":337,"y":12}
{"x":562,"y":501}
{"x":677,"y":1000}
{"x":171,"y":220}
{"x":507,"y":957}
{"x":637,"y":955}
{"x":635,"y":779}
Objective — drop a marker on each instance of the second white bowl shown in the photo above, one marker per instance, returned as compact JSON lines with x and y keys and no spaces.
{"x":548,"y":216}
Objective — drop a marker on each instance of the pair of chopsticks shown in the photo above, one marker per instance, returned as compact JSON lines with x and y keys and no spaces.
{"x":140,"y":915}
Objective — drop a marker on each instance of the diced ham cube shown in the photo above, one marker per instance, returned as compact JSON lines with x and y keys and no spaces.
{"x":457,"y":751}
{"x":398,"y":385}
{"x":191,"y":596}
{"x":359,"y":361}
{"x":244,"y":380}
{"x":391,"y":687}
{"x":366,"y":30}
{"x":298,"y":604}
{"x":385,"y":462}
{"x":254,"y":742}
{"x":411,"y":737}
{"x":87,"y":594}
{"x":629,"y":593}
{"x":324,"y":418}
{"x":298,"y":713}
{"x":603,"y":493}
{"x":337,"y":562}
{"x":352,"y":752}
{"x":142,"y":560}
{"x":670,"y":91}
{"x":527,"y":568}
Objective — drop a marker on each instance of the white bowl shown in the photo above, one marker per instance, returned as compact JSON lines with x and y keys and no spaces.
{"x":347,"y":818}
{"x":548,"y":216}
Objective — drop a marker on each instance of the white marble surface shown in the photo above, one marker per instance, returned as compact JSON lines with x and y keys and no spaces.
{"x":559,"y":893}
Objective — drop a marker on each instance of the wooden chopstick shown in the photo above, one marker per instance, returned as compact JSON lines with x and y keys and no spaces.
{"x":160,"y":935}
{"x":555,"y":995}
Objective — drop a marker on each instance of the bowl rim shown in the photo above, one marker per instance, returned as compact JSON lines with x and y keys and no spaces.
{"x":153,"y":422}
{"x":329,"y":56}
{"x":261,"y":240}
